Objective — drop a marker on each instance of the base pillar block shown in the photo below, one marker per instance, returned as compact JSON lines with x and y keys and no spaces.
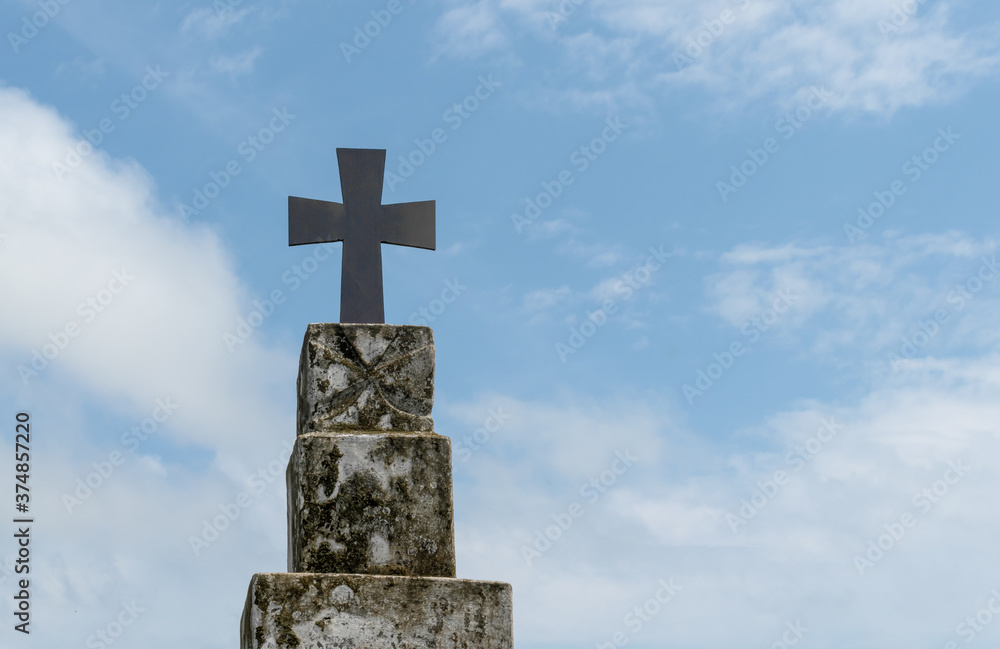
{"x":330,"y":611}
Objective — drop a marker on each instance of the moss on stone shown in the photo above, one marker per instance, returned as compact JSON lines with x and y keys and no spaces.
{"x":396,"y":378}
{"x":312,"y":610}
{"x":269,"y":591}
{"x":329,"y":473}
{"x":400,"y":499}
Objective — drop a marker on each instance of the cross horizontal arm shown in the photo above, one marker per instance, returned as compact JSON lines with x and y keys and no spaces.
{"x":409,"y":224}
{"x":312,"y":221}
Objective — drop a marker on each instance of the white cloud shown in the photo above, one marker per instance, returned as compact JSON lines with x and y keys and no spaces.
{"x":854,"y":469}
{"x":871,"y":59}
{"x":470,"y":29}
{"x":792,"y":560}
{"x":597,"y":255}
{"x":861,"y":301}
{"x":164,"y":293}
{"x":543,"y":300}
{"x":215,"y":21}
{"x":238,"y":64}
{"x":101,"y":230}
{"x":628,"y":281}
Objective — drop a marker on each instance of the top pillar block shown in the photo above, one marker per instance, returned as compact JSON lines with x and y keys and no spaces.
{"x":366,"y":377}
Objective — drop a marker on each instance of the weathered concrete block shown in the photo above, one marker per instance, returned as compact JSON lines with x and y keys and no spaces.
{"x":313,"y":611}
{"x":366,"y":377}
{"x":371,"y":504}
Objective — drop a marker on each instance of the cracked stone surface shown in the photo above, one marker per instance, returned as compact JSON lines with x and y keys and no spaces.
{"x":312,"y":611}
{"x":366,"y":377}
{"x":371,"y":504}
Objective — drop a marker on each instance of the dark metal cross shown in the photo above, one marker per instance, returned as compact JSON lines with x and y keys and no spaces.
{"x":363,"y":224}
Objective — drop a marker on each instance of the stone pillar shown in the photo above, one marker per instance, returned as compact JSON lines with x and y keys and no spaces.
{"x":371,"y":543}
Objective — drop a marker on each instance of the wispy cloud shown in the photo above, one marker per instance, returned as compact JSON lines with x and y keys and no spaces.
{"x":215,"y":21}
{"x":470,"y":29}
{"x":872,"y":57}
{"x":810,"y":489}
{"x":237,"y":64}
{"x":861,"y":301}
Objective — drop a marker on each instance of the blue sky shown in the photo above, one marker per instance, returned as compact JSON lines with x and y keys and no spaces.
{"x":748,"y":245}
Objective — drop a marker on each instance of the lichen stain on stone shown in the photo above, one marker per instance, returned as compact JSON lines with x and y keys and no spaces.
{"x":342,"y":594}
{"x":383,"y":518}
{"x":389,"y":450}
{"x":400,"y":488}
{"x":358,"y":497}
{"x":323,"y":559}
{"x":269,"y":591}
{"x":330,"y":471}
{"x":378,"y":377}
{"x":364,"y":612}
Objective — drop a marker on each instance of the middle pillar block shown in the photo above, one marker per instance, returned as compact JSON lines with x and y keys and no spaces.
{"x":376,"y":503}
